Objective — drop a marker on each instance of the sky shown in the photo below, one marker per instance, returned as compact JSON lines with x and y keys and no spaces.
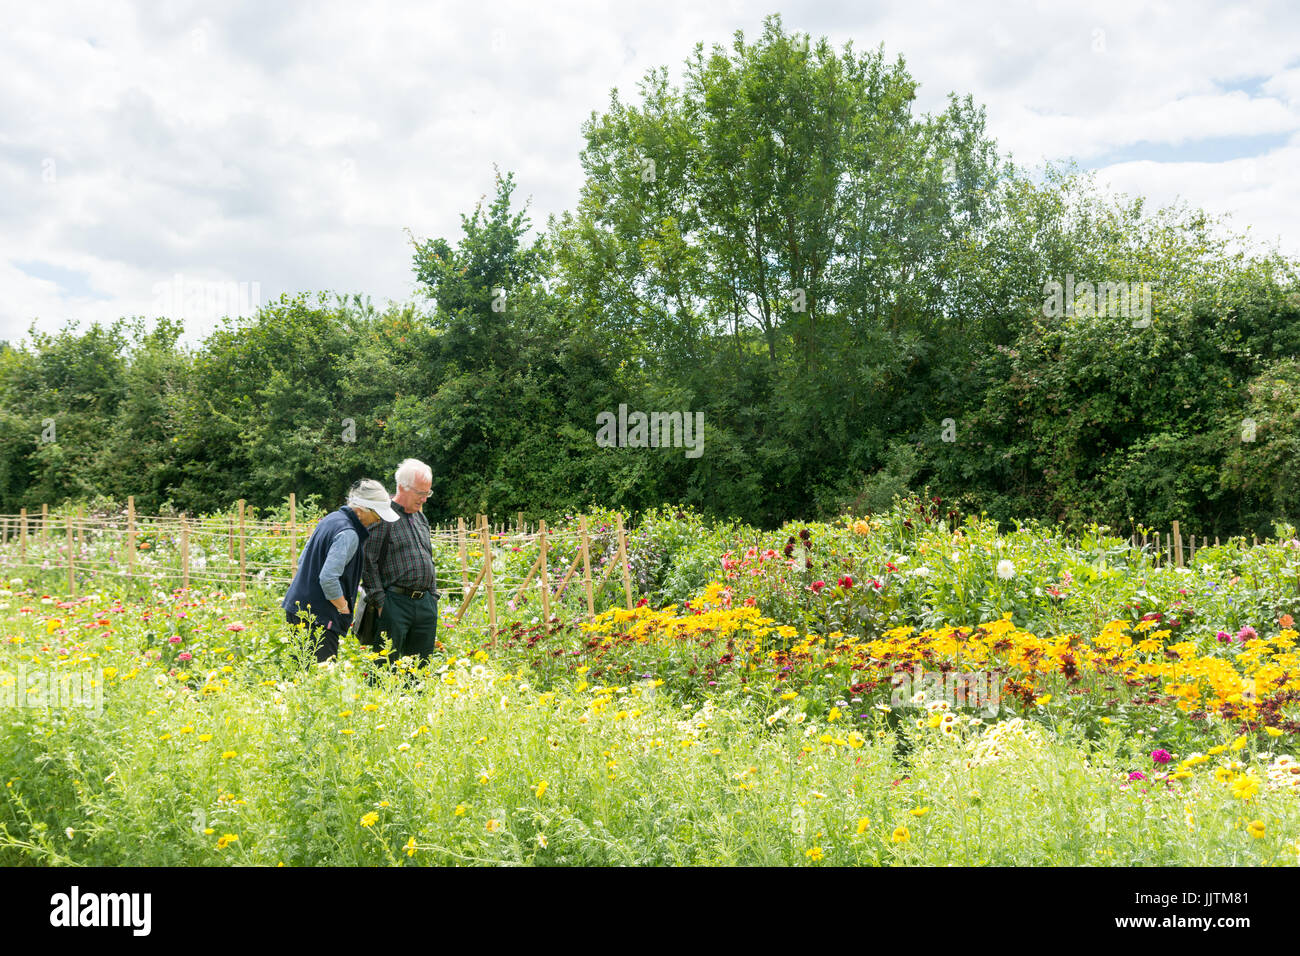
{"x":197,"y":159}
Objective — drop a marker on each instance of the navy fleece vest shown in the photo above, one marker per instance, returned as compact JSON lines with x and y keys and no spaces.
{"x":305,"y":590}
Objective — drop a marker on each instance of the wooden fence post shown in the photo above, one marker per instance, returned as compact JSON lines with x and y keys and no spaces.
{"x":72,"y":566}
{"x":130,"y":535}
{"x":464,"y":557}
{"x":1178,"y":546}
{"x":293,"y":531}
{"x":22,"y":536}
{"x":546,"y":577}
{"x":622,"y":560}
{"x":486,"y":538}
{"x":243,"y":567}
{"x":185,"y":553}
{"x":45,"y":524}
{"x":586,"y":567}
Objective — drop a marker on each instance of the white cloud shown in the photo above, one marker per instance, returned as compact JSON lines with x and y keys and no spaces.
{"x":292,"y":146}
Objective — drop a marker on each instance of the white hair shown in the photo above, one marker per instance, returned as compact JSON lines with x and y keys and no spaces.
{"x":411,"y":469}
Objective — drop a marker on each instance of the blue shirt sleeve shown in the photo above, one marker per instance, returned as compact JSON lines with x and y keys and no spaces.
{"x":342,"y":548}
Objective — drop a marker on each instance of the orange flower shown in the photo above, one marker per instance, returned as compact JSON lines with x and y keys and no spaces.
{"x":1286,"y":620}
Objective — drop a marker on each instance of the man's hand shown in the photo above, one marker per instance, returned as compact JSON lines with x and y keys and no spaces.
{"x":341,"y":604}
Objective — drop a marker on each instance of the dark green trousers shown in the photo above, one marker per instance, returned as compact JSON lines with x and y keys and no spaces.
{"x":411,"y":625}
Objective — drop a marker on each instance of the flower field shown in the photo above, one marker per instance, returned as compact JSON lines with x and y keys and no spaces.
{"x":903,"y":688}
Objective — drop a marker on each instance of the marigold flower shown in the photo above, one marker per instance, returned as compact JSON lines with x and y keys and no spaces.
{"x":226,"y":839}
{"x":863,"y":824}
{"x":540,"y":788}
{"x":370,"y":819}
{"x":900,"y":835}
{"x":1255,"y":828}
{"x":410,"y":847}
{"x":1243,"y":788}
{"x":815,"y":853}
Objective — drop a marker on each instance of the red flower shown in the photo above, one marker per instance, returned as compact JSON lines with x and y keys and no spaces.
{"x":845,"y":582}
{"x":817,"y":586}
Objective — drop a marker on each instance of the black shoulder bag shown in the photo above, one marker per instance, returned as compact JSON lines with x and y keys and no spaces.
{"x":367,"y":626}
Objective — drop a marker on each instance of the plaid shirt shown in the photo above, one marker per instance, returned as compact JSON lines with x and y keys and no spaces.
{"x":408,"y":556}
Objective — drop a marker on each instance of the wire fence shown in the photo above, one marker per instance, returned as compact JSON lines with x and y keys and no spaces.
{"x":236,"y":553}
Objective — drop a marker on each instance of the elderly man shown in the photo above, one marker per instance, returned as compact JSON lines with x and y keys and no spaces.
{"x":398,"y":573}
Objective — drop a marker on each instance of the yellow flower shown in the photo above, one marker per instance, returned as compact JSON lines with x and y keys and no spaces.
{"x":900,"y":835}
{"x":919,"y":811}
{"x":1244,"y":788}
{"x":460,"y":810}
{"x":863,"y":824}
{"x":1255,"y":828}
{"x":370,"y":819}
{"x":581,"y":670}
{"x":1271,"y":731}
{"x":229,"y":755}
{"x":1215,"y":751}
{"x":204,"y":738}
{"x":345,"y":713}
{"x":1044,"y":700}
{"x":225,"y":840}
{"x":815,"y":853}
{"x":789,"y":695}
{"x":1239,"y":743}
{"x":187,"y":729}
{"x":540,"y":788}
{"x":209,"y":831}
{"x":165,"y":737}
{"x":410,"y":847}
{"x":834,"y":714}
{"x":492,"y":826}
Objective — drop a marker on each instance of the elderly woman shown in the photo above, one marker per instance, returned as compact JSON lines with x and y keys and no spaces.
{"x":330,"y":567}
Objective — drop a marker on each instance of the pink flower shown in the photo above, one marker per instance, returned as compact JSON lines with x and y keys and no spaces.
{"x":1247,"y":633}
{"x":1161,"y":756}
{"x":237,"y":626}
{"x":1137,"y":775}
{"x":184,"y":656}
{"x":1224,"y":637}
{"x":174,"y":640}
